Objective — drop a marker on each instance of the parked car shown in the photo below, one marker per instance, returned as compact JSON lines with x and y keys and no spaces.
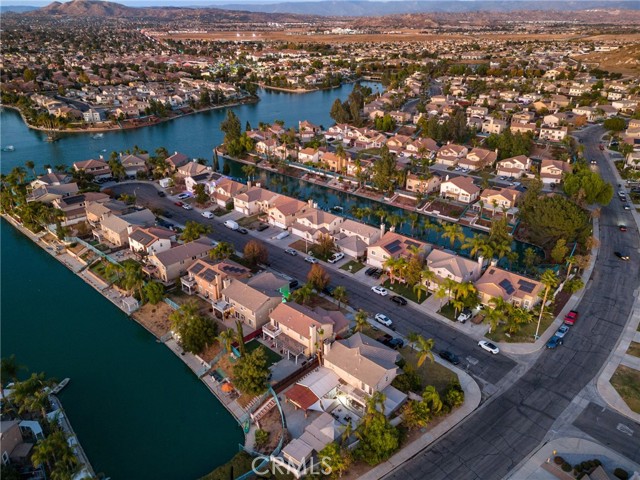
{"x":186,"y":206}
{"x":623,"y":228}
{"x":168,"y":214}
{"x":626,"y":207}
{"x":294,"y":284}
{"x":336,"y":257}
{"x":449,"y":357}
{"x":243,"y":230}
{"x":622,"y":255}
{"x":380,"y":290}
{"x":282,"y":235}
{"x":555,"y":341}
{"x":377,"y":273}
{"x":464,"y":315}
{"x":207,"y":214}
{"x":562,"y":331}
{"x":384,"y":338}
{"x":291,"y":252}
{"x":571,"y":317}
{"x":488,"y":346}
{"x":262,"y":227}
{"x":162,"y":194}
{"x":398,"y":299}
{"x":383,"y":319}
{"x":310,"y":259}
{"x":395,"y":343}
{"x":178,"y":204}
{"x":369,"y":271}
{"x":328,"y":290}
{"x":182,"y":196}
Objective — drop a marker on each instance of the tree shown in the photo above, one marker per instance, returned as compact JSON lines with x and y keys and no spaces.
{"x":221,"y":251}
{"x":475,"y":244}
{"x":303,"y":294}
{"x":196,"y":332}
{"x":193,"y":231}
{"x":378,"y":438}
{"x":453,"y":395}
{"x":432,"y":398}
{"x":226,"y":338}
{"x":615,"y":124}
{"x":133,"y":278}
{"x":384,"y":171}
{"x":255,"y":252}
{"x":31,"y":166}
{"x":549,"y":280}
{"x":416,"y":414}
{"x":250,"y":372}
{"x":361,"y":320}
{"x":318,"y":277}
{"x":9,"y":369}
{"x":337,"y":460}
{"x":340,"y":294}
{"x":154,"y":292}
{"x":55,"y":452}
{"x":423,"y":347}
{"x":201,"y":195}
{"x":493,"y":316}
{"x":338,"y":112}
{"x":586,"y":186}
{"x":231,"y":127}
{"x":560,"y":251}
{"x":418,"y":288}
{"x":453,"y":232}
{"x":325,"y":246}
{"x":30,"y":396}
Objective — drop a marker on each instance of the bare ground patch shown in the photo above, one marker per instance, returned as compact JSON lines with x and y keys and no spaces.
{"x":154,"y":318}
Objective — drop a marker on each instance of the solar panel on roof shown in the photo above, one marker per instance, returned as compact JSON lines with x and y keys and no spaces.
{"x":525,"y":286}
{"x":506,"y":285}
{"x":197,"y":268}
{"x":209,"y":275}
{"x":394,"y":246}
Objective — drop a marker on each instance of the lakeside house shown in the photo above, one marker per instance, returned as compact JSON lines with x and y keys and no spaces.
{"x":171,"y":264}
{"x":99,"y":169}
{"x":461,"y":189}
{"x":73,"y":207}
{"x":115,"y":228}
{"x":255,"y":200}
{"x":49,"y":193}
{"x":285,"y":210}
{"x":394,"y":245}
{"x":353,"y":237}
{"x":313,"y":224}
{"x":497,"y":200}
{"x":445,"y":264}
{"x":206,"y":277}
{"x":150,"y":240}
{"x":511,"y":287}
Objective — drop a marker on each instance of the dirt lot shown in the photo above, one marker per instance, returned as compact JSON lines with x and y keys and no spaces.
{"x":625,"y":60}
{"x":155,"y":318}
{"x":272,"y":423}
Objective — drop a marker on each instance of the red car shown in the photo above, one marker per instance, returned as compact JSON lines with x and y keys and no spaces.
{"x":179,"y":204}
{"x":571,"y":317}
{"x":601,"y":147}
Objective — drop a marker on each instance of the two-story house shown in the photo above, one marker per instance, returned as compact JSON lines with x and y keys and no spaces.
{"x":445,"y":264}
{"x":149,"y":240}
{"x":173,"y":263}
{"x":394,"y":245}
{"x":513,"y":166}
{"x":461,"y":189}
{"x":511,"y":287}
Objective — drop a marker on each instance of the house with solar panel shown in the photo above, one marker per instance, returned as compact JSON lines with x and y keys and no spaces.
{"x":394,"y":245}
{"x":511,"y":287}
{"x":207,"y":278}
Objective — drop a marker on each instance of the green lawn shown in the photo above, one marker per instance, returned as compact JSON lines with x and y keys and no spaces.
{"x":526,"y":333}
{"x":448,"y":311}
{"x":431,"y":373}
{"x":352,"y":266}
{"x":272,"y":357}
{"x":405,"y":291}
{"x":99,"y":270}
{"x":634,"y":349}
{"x":627,"y":383}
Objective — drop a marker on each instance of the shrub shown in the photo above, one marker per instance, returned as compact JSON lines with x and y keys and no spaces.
{"x":621,"y":473}
{"x":558,"y":460}
{"x":262,"y":437}
{"x":566,"y":467}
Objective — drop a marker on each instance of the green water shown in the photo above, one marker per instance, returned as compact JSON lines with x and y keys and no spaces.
{"x":139,"y":412}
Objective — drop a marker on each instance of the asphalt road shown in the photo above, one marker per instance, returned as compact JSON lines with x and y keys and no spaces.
{"x":487,"y":368}
{"x":492,"y":441}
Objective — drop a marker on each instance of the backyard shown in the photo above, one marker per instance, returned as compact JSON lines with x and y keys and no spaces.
{"x":272,"y":357}
{"x":445,"y":208}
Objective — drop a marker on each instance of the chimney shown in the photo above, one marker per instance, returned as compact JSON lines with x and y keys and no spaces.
{"x":481,"y":262}
{"x":383,"y":228}
{"x":446,"y":178}
{"x":49,"y":170}
{"x":313,"y":336}
{"x":248,"y":183}
{"x":310,"y":202}
{"x":494,"y":262}
{"x":326,"y":347}
{"x":392,"y":228}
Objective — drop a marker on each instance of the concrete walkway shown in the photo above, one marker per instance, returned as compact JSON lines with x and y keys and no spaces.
{"x":573,"y":450}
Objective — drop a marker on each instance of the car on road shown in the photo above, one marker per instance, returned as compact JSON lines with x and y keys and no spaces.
{"x":383,"y":319}
{"x":328,"y":290}
{"x":503,"y":177}
{"x":488,"y":346}
{"x":465,"y":315}
{"x":449,"y":357}
{"x":168,"y":214}
{"x":398,"y":300}
{"x":291,"y":252}
{"x":310,"y":259}
{"x":336,"y":257}
{"x":207,"y":214}
{"x":555,"y":341}
{"x":594,"y":162}
{"x":294,"y":284}
{"x":186,"y":206}
{"x":178,"y":204}
{"x":262,"y":227}
{"x":571,"y":317}
{"x":627,"y":207}
{"x":243,"y":230}
{"x":369,"y":271}
{"x":380,"y":290}
{"x":622,"y":228}
{"x":162,"y":194}
{"x":622,"y":256}
{"x":562,"y":331}
{"x":182,"y":196}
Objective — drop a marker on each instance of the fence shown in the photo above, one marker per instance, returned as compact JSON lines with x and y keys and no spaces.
{"x":172,"y":304}
{"x":98,"y":252}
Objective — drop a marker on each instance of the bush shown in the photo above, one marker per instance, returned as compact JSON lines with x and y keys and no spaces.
{"x":566,"y":467}
{"x":558,"y":460}
{"x":262,"y":437}
{"x":621,"y":473}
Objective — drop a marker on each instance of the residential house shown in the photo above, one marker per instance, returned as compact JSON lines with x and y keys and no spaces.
{"x":226,"y":190}
{"x":253,"y":300}
{"x":254,"y":200}
{"x":513,"y":166}
{"x":73,"y":207}
{"x":478,"y":158}
{"x":96,"y":211}
{"x":51,"y":178}
{"x":461,"y":189}
{"x":177,"y":160}
{"x":94,"y":115}
{"x":48,"y":193}
{"x":134,"y":163}
{"x":497,"y":200}
{"x":552,"y":171}
{"x":115,"y":228}
{"x":173,"y":263}
{"x":298,"y":330}
{"x":353,"y":237}
{"x":12,"y":445}
{"x":493,"y":125}
{"x":313,"y":224}
{"x":308,"y":155}
{"x":397,"y":143}
{"x":393,"y":245}
{"x":451,"y":154}
{"x":285,"y":210}
{"x":308,"y":130}
{"x":149,"y":240}
{"x":553,"y":134}
{"x":422,"y":146}
{"x":523,"y":128}
{"x":97,"y":168}
{"x":423,"y":184}
{"x":511,"y":287}
{"x":445,"y":264}
{"x":335,"y":163}
{"x":208,"y":278}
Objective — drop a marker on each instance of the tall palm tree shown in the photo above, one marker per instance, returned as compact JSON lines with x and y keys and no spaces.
{"x":501,"y":249}
{"x":303,"y":294}
{"x":340,"y":294}
{"x":475,"y":245}
{"x":133,"y":278}
{"x":427,"y":276}
{"x":464,"y":290}
{"x":392,"y":265}
{"x":453,"y":232}
{"x":112,"y":269}
{"x":432,"y":398}
{"x":361,"y":320}
{"x":31,"y":166}
{"x":422,"y":346}
{"x":493,"y":316}
{"x":250,"y":171}
{"x":226,"y":338}
{"x":549,"y":280}
{"x":418,"y":288}
{"x":375,"y":403}
{"x":413,"y":221}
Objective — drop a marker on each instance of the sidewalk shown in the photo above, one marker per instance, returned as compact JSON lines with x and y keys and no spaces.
{"x":472,"y":397}
{"x":573,"y":450}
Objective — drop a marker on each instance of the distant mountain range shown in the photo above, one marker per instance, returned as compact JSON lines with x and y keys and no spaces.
{"x":17,"y":8}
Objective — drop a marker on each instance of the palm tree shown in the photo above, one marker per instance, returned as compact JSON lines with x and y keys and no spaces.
{"x":427,"y":276}
{"x":221,"y":251}
{"x":493,"y":316}
{"x":453,"y":232}
{"x":112,"y":269}
{"x":9,"y":369}
{"x":500,"y":249}
{"x":392,"y":265}
{"x":133,"y":278}
{"x":422,"y":346}
{"x":31,"y":166}
{"x":303,"y":294}
{"x":226,"y":338}
{"x":250,"y":171}
{"x":413,"y":221}
{"x":464,"y":290}
{"x":432,"y":398}
{"x":516,"y":318}
{"x":394,"y":220}
{"x":361,"y":320}
{"x":375,"y":403}
{"x":418,"y":288}
{"x":340,"y":294}
{"x":549,"y":280}
{"x":475,"y":245}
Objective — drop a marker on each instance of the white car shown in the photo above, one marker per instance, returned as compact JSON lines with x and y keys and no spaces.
{"x":336,"y":257}
{"x":562,"y":331}
{"x":383,"y":319}
{"x":489,"y":347}
{"x":310,"y":260}
{"x":380,"y":290}
{"x":182,"y":196}
{"x":465,"y":315}
{"x":291,"y":252}
{"x":186,"y":206}
{"x":207,"y":214}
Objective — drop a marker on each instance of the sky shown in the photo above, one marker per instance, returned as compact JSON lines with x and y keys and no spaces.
{"x":176,"y":3}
